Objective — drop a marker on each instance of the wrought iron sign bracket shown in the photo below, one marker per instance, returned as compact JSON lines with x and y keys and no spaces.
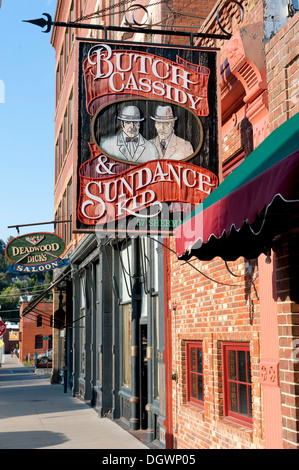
{"x":17,"y":227}
{"x":135,"y":27}
{"x":291,"y":10}
{"x":49,"y":23}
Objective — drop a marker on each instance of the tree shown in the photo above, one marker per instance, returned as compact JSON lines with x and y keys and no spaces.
{"x":9,"y":299}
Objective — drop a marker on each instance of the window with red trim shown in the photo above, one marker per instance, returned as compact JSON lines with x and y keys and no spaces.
{"x":237,"y":382}
{"x":232,"y":163}
{"x":195,"y":383}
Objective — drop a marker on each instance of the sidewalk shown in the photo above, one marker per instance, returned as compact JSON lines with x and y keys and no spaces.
{"x":37,"y":415}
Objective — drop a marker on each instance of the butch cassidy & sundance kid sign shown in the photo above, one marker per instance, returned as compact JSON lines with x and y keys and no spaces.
{"x":147,"y":136}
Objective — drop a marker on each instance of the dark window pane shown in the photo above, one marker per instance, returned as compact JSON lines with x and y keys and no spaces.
{"x":241,"y":366}
{"x":38,"y":342}
{"x":199,"y":388}
{"x":233,"y":404}
{"x":248,"y":368}
{"x":199,"y":360}
{"x":249,"y":402}
{"x":243,"y":399}
{"x":193,"y":359}
{"x":232,"y":365}
{"x":193,"y":386}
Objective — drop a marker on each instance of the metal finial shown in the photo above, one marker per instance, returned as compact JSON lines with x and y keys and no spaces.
{"x":42,"y":22}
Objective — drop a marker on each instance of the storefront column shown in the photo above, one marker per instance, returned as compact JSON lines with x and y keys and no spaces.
{"x":115,"y":330}
{"x":149,"y":358}
{"x":76,"y":333}
{"x":269,"y":365}
{"x":55,"y":378}
{"x":134,"y":400}
{"x":166,"y":356}
{"x":105,"y":335}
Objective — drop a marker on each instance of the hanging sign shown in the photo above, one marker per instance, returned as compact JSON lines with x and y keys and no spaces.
{"x":35,"y":252}
{"x":2,"y":328}
{"x":147,"y":136}
{"x":14,"y":336}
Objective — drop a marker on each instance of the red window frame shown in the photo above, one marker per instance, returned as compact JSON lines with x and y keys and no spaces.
{"x":237,"y":382}
{"x":232,"y":163}
{"x":195,"y":379}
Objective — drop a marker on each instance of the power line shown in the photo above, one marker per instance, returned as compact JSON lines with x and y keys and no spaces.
{"x":22,"y":293}
{"x":8,"y":311}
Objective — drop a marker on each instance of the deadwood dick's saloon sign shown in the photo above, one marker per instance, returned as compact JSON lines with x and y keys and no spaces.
{"x":36,"y":253}
{"x":147,"y":136}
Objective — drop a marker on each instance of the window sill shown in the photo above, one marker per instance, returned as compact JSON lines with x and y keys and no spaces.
{"x":195,"y":410}
{"x":239,"y":428}
{"x":125,"y":392}
{"x":238,"y":422}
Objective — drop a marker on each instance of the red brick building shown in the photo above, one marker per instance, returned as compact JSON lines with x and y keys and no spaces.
{"x":11,"y":337}
{"x":233,"y":319}
{"x":35,"y":326}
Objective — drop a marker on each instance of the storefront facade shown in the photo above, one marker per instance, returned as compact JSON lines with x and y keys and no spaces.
{"x":118,"y":339}
{"x":234,"y":374}
{"x":182,"y":349}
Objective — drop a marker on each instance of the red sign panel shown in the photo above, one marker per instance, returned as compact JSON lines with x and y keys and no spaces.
{"x":110,"y":73}
{"x":148,"y":137}
{"x":2,"y":328}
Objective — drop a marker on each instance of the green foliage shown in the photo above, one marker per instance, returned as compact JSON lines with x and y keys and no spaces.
{"x":14,"y":288}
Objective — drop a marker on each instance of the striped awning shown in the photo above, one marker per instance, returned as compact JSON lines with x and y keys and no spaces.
{"x":251,"y":207}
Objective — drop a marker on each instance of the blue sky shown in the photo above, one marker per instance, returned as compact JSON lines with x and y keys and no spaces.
{"x":27,"y":107}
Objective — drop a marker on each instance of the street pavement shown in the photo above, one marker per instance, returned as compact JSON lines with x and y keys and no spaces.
{"x":35,"y":414}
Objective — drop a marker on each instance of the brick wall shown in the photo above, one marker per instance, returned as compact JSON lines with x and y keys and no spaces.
{"x":287,"y":260}
{"x":187,"y":16}
{"x":213,"y":306}
{"x":223,"y":308}
{"x":282,"y":56}
{"x":210,"y":312}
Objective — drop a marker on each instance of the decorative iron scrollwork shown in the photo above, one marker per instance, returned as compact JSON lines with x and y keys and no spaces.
{"x":132,"y":10}
{"x":220,"y":8}
{"x":138,"y":7}
{"x":291,"y":10}
{"x":141,"y":26}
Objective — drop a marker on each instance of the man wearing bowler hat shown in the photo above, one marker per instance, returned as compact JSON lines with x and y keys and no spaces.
{"x":168,"y":144}
{"x":129,"y":144}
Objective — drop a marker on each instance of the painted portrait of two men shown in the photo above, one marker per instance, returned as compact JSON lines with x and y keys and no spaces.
{"x":130,"y":145}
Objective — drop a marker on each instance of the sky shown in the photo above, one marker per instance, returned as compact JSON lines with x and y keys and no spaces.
{"x":27,"y":108}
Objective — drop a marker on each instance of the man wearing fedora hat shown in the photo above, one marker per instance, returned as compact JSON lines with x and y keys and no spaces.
{"x":168,"y":144}
{"x":129,"y":144}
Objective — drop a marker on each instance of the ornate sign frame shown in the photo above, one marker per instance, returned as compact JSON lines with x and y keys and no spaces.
{"x":147,"y":136}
